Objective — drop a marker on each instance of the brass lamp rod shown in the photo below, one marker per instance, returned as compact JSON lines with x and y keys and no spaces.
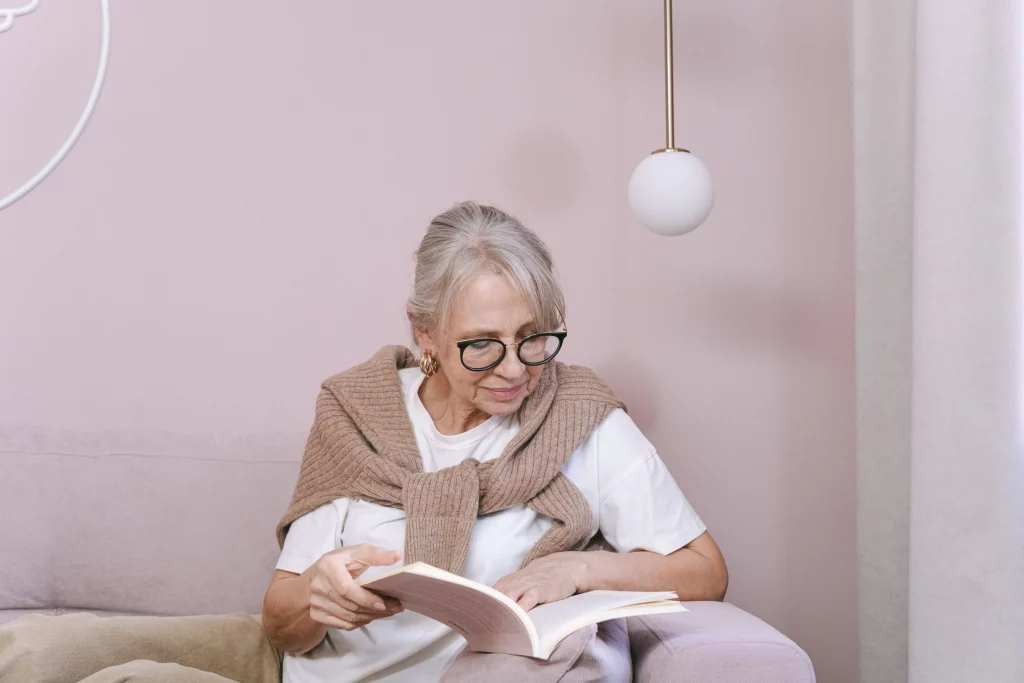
{"x":670,"y":117}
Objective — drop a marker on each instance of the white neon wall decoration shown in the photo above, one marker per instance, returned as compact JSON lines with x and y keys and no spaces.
{"x":7,"y":17}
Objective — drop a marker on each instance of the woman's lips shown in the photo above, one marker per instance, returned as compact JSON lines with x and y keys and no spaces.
{"x":506,"y":394}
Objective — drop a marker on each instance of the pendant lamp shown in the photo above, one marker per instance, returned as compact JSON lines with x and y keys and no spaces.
{"x":671,"y":192}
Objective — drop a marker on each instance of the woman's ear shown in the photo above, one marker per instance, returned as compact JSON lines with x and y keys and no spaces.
{"x":424,"y":340}
{"x":423,"y":337}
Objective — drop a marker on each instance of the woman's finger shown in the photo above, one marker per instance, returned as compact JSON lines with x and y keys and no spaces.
{"x":329,"y":593}
{"x":391,"y":605}
{"x":529,"y":599}
{"x":394,"y":605}
{"x":515,"y":591}
{"x":321,"y":606}
{"x":343,"y":586}
{"x":511,"y":583}
{"x":359,"y":557}
{"x":324,"y":610}
{"x":364,"y":599}
{"x":329,"y":606}
{"x":331,"y":621}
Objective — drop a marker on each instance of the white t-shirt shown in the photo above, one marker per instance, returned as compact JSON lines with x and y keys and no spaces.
{"x":635,"y":502}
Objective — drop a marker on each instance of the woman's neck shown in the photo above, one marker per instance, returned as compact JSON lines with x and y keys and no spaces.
{"x":450,"y":413}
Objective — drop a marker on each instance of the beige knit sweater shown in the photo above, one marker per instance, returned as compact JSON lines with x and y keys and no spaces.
{"x":362,"y":446}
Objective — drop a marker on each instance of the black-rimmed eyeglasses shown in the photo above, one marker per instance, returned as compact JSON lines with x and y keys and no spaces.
{"x":486,"y":353}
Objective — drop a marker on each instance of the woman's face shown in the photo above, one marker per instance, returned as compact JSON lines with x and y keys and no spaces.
{"x":489,"y":307}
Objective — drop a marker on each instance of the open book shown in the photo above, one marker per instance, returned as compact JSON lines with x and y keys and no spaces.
{"x":492,"y":622}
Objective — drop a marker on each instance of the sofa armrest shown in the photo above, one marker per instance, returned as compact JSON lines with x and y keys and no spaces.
{"x":714,"y":642}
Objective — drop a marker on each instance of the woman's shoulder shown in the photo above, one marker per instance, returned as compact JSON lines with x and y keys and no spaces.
{"x":616,"y":442}
{"x":618,"y":433}
{"x":379,"y":367}
{"x":613,"y":451}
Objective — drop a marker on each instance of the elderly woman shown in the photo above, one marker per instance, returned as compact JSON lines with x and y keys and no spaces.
{"x":483,"y":457}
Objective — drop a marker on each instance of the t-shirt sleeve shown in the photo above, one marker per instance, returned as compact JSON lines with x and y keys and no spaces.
{"x":312,"y":535}
{"x":641,"y":506}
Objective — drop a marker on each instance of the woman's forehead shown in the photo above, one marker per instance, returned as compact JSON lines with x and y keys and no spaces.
{"x":490,"y":301}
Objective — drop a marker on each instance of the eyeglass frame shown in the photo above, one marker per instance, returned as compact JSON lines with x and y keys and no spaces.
{"x":504,"y":349}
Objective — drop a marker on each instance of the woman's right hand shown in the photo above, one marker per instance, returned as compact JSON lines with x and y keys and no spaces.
{"x":334,"y":598}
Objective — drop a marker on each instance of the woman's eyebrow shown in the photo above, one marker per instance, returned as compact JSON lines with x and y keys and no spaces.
{"x":527,"y":327}
{"x":494,"y":334}
{"x":478,"y":334}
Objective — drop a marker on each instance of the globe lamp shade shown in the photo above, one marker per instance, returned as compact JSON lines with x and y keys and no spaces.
{"x":671,"y":192}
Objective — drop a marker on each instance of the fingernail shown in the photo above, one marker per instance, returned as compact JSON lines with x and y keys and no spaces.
{"x":379,"y":606}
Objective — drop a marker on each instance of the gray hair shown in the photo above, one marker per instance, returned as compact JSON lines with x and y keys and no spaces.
{"x":468,"y":238}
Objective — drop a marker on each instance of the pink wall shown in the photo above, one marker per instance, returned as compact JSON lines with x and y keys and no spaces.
{"x":238,"y":220}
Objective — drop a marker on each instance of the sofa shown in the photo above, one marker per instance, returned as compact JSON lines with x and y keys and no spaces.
{"x":152,"y":523}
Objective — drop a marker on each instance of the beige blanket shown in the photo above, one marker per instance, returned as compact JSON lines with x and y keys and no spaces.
{"x":84,"y":647}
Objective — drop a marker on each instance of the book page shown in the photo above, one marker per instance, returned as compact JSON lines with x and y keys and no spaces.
{"x":548,"y":617}
{"x":550,"y":640}
{"x":487,"y":624}
{"x":555,"y":620}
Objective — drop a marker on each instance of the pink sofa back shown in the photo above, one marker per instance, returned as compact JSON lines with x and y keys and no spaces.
{"x":139,"y":522}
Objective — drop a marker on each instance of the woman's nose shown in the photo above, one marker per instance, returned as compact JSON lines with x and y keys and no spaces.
{"x":510,"y":366}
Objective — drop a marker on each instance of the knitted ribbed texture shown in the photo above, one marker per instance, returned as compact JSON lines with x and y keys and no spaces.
{"x":362,"y":446}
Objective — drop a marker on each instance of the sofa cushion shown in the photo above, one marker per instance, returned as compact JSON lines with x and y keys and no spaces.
{"x":140,"y":522}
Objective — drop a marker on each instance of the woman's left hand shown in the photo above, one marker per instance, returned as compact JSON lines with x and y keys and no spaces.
{"x":548,"y":579}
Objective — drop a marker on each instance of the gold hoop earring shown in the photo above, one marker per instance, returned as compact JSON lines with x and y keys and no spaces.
{"x":429,"y":364}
